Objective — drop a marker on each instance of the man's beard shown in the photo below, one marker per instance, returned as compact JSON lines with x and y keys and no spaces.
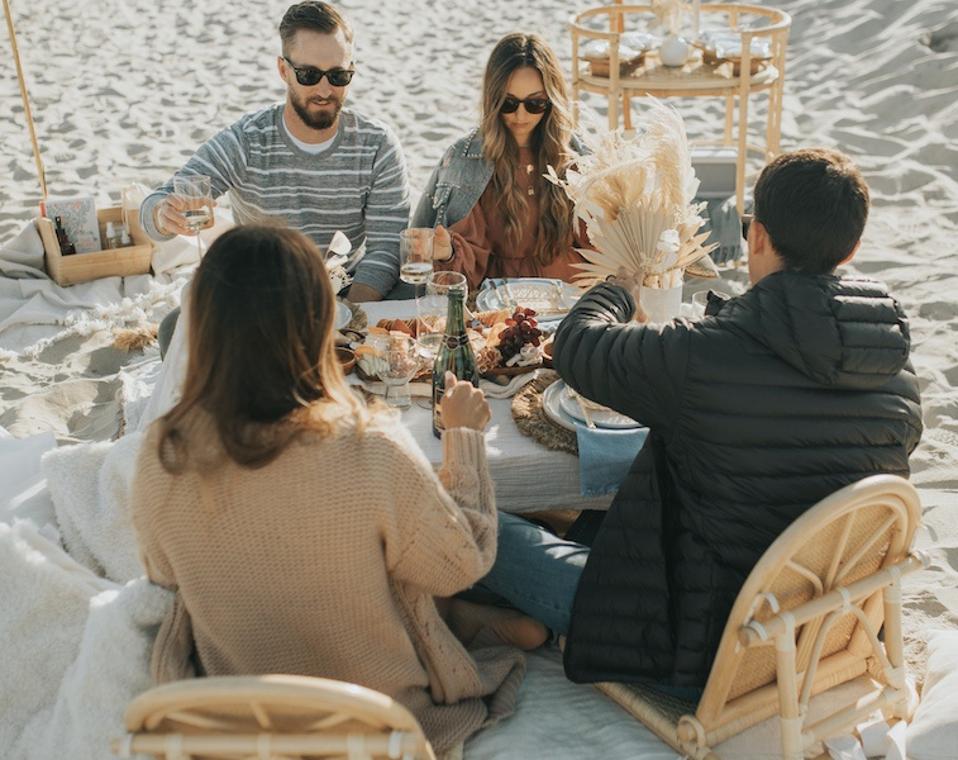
{"x":322,"y":120}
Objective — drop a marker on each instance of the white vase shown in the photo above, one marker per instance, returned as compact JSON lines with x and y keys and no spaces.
{"x":674,"y":51}
{"x":661,"y":304}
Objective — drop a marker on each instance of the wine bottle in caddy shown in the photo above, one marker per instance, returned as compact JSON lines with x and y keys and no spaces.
{"x":455,"y":355}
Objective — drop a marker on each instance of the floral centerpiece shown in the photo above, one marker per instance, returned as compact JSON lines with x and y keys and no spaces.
{"x":635,"y":195}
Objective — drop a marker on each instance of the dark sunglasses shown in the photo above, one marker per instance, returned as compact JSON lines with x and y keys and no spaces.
{"x":533,"y":105}
{"x":747,"y":220}
{"x":309,"y":76}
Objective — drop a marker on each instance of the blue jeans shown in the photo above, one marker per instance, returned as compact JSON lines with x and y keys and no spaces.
{"x":535,"y":571}
{"x":538,"y":573}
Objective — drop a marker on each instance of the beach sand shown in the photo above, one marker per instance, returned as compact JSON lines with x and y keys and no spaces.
{"x":124,"y":91}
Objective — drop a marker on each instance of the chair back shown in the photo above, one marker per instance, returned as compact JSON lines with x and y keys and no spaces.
{"x":846,"y":538}
{"x":270,"y":716}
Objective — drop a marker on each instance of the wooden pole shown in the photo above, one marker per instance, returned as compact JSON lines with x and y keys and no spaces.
{"x":26,"y":98}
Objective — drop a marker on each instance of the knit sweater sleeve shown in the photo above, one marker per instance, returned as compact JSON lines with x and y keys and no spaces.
{"x":442,"y":534}
{"x":146,"y":501}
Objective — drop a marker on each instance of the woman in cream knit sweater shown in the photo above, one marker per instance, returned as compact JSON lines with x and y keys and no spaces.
{"x":303,"y":532}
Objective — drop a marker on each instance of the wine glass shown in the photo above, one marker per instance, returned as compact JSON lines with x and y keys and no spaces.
{"x":400,"y":366}
{"x":194,"y":191}
{"x":435,"y":306}
{"x":415,"y":259}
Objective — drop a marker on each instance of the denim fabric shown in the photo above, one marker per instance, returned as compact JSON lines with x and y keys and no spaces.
{"x":458,"y":182}
{"x":535,"y":571}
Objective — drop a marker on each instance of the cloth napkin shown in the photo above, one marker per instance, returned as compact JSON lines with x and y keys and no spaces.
{"x":605,"y":456}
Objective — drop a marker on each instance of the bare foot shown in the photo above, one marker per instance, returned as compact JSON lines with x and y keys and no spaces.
{"x":510,"y":626}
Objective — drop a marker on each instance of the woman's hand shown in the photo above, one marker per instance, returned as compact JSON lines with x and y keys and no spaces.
{"x":441,"y":244}
{"x":463,"y":405}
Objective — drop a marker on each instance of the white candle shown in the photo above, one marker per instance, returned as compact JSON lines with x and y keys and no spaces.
{"x":696,"y":11}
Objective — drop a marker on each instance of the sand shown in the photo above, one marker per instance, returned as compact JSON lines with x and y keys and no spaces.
{"x":123,"y":92}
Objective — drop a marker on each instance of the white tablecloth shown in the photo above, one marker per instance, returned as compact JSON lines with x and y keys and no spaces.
{"x":528,"y":476}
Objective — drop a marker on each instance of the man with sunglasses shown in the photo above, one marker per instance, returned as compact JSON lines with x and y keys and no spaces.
{"x":308,"y":162}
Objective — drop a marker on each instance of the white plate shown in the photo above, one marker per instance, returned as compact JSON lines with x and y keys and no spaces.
{"x":552,"y":406}
{"x":539,"y":293}
{"x":603,"y":418}
{"x":344,"y":315}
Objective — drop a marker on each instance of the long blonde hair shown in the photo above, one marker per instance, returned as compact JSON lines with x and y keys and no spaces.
{"x":550,"y":142}
{"x":262,"y":361}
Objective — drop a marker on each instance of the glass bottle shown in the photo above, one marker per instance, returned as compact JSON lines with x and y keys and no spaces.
{"x":66,"y":247}
{"x":455,"y":355}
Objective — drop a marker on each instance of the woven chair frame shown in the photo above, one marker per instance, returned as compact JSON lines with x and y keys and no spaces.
{"x":271,"y":717}
{"x":806,"y":620}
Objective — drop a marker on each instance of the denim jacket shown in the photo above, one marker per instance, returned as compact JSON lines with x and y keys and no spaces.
{"x":458,"y":182}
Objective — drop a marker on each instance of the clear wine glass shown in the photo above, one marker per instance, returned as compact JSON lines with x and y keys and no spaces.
{"x":401,"y":365}
{"x":415,"y":260}
{"x":435,"y":306}
{"x":195,"y":191}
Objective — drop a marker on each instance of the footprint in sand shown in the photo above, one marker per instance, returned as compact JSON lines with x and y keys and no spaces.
{"x":944,"y":40}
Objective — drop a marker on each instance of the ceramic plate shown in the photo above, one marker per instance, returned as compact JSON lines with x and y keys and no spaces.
{"x":603,"y":418}
{"x":552,"y":406}
{"x":551,"y":299}
{"x":344,"y":315}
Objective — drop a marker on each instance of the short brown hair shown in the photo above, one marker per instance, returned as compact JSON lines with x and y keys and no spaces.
{"x":314,"y":15}
{"x":813,"y":203}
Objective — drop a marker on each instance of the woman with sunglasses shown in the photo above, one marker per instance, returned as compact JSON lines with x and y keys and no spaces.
{"x":495,"y":213}
{"x":304,"y":532}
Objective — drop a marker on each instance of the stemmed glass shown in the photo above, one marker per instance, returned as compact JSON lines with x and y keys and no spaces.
{"x":436,"y":306}
{"x":195,"y":192}
{"x":415,"y":259}
{"x":400,"y":366}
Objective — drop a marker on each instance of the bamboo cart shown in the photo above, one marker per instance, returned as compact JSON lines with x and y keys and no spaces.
{"x":698,"y":78}
{"x":81,"y":267}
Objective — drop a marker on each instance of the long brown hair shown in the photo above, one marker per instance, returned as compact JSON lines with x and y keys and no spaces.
{"x":550,"y":142}
{"x":262,"y":355}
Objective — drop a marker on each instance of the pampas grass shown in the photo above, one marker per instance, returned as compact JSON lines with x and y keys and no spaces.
{"x":636,"y":197}
{"x":134,"y":339}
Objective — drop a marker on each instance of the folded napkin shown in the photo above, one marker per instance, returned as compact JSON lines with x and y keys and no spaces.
{"x":605,"y":456}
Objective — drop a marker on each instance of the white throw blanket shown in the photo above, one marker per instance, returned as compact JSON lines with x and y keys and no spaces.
{"x":77,"y":650}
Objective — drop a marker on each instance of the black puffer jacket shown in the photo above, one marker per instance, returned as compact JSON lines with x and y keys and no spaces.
{"x":789,"y":392}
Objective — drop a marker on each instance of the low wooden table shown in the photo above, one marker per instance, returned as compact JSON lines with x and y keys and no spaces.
{"x":528,"y":477}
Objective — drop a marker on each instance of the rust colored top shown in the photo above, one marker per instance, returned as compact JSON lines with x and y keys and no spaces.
{"x":481,"y":245}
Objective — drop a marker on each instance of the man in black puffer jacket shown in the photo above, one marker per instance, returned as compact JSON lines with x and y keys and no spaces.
{"x":776,"y":399}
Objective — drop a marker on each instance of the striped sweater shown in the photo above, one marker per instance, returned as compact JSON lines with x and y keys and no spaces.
{"x":358,"y":185}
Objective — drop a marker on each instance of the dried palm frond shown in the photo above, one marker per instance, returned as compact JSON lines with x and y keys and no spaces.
{"x":636,"y":197}
{"x":134,"y":339}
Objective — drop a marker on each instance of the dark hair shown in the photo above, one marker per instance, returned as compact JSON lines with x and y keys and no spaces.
{"x":261,"y":347}
{"x":314,"y":15}
{"x":813,"y":203}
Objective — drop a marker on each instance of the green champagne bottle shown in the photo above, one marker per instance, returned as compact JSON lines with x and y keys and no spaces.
{"x":455,"y":355}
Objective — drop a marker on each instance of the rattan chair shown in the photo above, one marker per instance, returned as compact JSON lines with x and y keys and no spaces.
{"x":274,"y":717}
{"x":806,"y":621}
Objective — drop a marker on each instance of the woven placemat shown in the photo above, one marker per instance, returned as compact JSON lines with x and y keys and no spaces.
{"x":532,"y":421}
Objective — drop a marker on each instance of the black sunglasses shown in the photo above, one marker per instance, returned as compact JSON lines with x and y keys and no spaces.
{"x":309,"y":76}
{"x":533,"y":105}
{"x":747,"y":220}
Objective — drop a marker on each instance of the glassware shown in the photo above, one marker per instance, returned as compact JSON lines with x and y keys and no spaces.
{"x":400,"y":366}
{"x":455,"y":355}
{"x":415,"y":259}
{"x":434,"y":308}
{"x":194,"y":191}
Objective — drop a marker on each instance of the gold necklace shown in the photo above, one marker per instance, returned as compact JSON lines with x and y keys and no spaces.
{"x":529,"y":169}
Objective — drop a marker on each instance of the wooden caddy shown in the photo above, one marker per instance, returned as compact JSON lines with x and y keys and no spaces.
{"x":111,"y":262}
{"x":81,"y":267}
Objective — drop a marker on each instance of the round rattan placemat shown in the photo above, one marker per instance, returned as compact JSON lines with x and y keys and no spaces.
{"x":532,"y":421}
